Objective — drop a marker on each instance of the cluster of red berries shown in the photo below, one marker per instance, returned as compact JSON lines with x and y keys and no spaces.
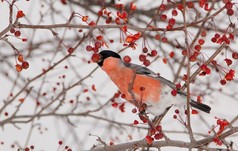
{"x":121,"y":15}
{"x":29,"y":148}
{"x":229,"y":76}
{"x":204,"y":70}
{"x":229,"y":9}
{"x":66,"y":148}
{"x":130,"y":38}
{"x":217,"y":38}
{"x":178,"y":117}
{"x":197,"y":49}
{"x":162,"y":38}
{"x":155,"y":134}
{"x":172,"y":21}
{"x":121,"y":106}
{"x":143,"y":57}
{"x":85,"y":20}
{"x":175,"y":91}
{"x":24,"y":64}
{"x":98,"y":43}
{"x":95,"y":57}
{"x":222,"y":124}
{"x":17,"y":33}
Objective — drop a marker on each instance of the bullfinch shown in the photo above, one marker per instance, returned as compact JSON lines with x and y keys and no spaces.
{"x":147,"y":87}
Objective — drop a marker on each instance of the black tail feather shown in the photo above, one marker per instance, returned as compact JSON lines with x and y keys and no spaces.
{"x":200,"y":106}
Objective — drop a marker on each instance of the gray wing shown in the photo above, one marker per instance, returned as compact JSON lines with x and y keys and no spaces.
{"x":145,"y":71}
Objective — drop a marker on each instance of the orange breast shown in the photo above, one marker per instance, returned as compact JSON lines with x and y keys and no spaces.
{"x":122,"y":77}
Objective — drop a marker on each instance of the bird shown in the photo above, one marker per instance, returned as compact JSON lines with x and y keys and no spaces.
{"x":140,"y":85}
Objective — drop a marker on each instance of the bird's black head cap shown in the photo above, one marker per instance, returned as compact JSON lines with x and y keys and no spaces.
{"x":105,"y":54}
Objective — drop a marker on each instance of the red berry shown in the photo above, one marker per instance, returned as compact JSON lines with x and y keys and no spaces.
{"x":217,"y":36}
{"x":190,"y":5}
{"x":201,"y":41}
{"x":204,"y":33}
{"x":127,"y":59}
{"x":169,"y":27}
{"x":25,"y":65}
{"x":228,"y":61}
{"x":186,"y":112}
{"x":172,"y":21}
{"x":98,"y":44}
{"x":174,"y":12}
{"x":132,"y":6}
{"x":162,"y":7}
{"x":194,"y":112}
{"x":12,"y":30}
{"x":174,"y":92}
{"x":214,"y":62}
{"x":229,"y":5}
{"x":100,"y":13}
{"x":149,"y":139}
{"x":146,"y":62}
{"x":164,"y":40}
{"x":235,"y":55}
{"x":175,"y":116}
{"x":145,"y":50}
{"x":18,"y":67}
{"x":20,"y":58}
{"x":17,"y":33}
{"x":180,"y":7}
{"x":163,"y":17}
{"x":142,"y":57}
{"x":135,"y":122}
{"x":231,"y":36}
{"x":158,"y":128}
{"x":95,"y":57}
{"x":157,"y":37}
{"x":27,"y":149}
{"x":153,"y":53}
{"x":134,"y":110}
{"x":197,"y":47}
{"x":123,"y":96}
{"x":171,"y":54}
{"x":203,"y":67}
{"x":158,"y":136}
{"x":193,"y":58}
{"x":178,"y":86}
{"x":223,"y":81}
{"x":217,"y":141}
{"x":85,"y":18}
{"x":89,"y":48}
{"x":230,"y":12}
{"x":184,"y":52}
{"x":115,"y":104}
{"x":20,"y":14}
{"x":24,"y":39}
{"x":70,"y":50}
{"x":64,"y":2}
{"x":214,"y":40}
{"x":176,"y":111}
{"x":60,"y":142}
